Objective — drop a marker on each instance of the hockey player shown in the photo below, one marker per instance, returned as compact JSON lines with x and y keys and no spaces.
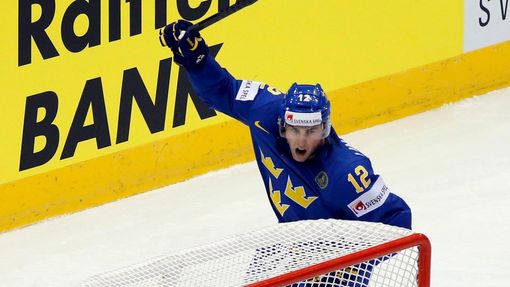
{"x":309,"y":172}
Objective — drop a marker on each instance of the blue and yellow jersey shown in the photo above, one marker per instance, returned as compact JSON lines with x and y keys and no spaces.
{"x":337,"y":182}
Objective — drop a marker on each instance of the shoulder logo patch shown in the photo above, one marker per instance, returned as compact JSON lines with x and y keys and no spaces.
{"x":322,"y":179}
{"x":370,"y":200}
{"x":247,"y":91}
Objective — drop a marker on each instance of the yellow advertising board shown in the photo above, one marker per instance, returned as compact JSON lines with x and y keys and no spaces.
{"x":94,"y":109}
{"x":89,"y":78}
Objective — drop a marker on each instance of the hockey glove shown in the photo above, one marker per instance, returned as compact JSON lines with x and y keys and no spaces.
{"x":189,"y":49}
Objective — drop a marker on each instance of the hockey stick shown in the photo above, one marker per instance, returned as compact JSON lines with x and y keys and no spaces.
{"x":240,"y":4}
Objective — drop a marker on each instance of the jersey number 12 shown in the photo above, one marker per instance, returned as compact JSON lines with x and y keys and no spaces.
{"x":362,"y":175}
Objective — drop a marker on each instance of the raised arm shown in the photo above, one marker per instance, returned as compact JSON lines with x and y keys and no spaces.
{"x":213,"y":84}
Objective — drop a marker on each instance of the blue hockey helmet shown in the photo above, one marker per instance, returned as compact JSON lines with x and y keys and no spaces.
{"x":305,"y":105}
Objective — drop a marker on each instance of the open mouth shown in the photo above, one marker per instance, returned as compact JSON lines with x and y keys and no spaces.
{"x":300,"y":151}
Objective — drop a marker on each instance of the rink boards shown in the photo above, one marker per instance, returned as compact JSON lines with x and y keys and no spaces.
{"x":76,"y":137}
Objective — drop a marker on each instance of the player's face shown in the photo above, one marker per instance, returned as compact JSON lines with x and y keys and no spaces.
{"x":303,"y":141}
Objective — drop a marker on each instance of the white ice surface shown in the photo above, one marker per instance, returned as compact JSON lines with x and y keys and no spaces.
{"x":452,"y":166}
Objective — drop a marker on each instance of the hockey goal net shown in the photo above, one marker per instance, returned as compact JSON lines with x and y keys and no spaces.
{"x":319,"y":253}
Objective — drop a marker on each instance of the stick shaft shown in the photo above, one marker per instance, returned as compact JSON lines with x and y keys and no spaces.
{"x":240,"y":4}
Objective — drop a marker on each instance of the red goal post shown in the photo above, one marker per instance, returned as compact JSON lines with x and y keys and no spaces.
{"x":312,"y":253}
{"x":414,"y":240}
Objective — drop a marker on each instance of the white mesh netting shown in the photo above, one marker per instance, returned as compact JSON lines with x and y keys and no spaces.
{"x":255,"y":256}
